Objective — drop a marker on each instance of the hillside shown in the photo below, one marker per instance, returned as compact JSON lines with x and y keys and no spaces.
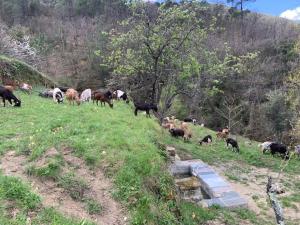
{"x":229,"y":62}
{"x":16,"y":70}
{"x":60,"y":152}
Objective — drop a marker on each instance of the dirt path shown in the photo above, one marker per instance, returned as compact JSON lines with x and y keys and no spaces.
{"x":252,"y":186}
{"x":54,"y":196}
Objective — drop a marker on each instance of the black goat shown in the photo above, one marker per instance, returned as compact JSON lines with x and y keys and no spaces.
{"x":281,"y":149}
{"x":176,"y":132}
{"x":207,"y":139}
{"x":233,"y":143}
{"x":190,"y":120}
{"x":9,"y":96}
{"x":124,"y":97}
{"x":145,"y":107}
{"x":63,"y":89}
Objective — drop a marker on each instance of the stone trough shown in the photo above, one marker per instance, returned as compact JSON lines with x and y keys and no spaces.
{"x":199,"y":183}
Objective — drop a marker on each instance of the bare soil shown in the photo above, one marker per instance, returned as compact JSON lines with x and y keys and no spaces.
{"x":251,"y":184}
{"x":100,"y":188}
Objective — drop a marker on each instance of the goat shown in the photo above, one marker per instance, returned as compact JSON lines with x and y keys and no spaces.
{"x":176,"y":132}
{"x":26,"y":88}
{"x":221,"y":135}
{"x":190,"y":120}
{"x":168,"y":125}
{"x":297,"y":150}
{"x":145,"y":107}
{"x":58,"y":95}
{"x":46,"y":94}
{"x":72,"y":96}
{"x":86,"y":95}
{"x":63,"y":89}
{"x":265,"y":146}
{"x":102,"y":97}
{"x":225,"y":130}
{"x":10,"y":88}
{"x":118,"y":94}
{"x":207,"y":140}
{"x":184,"y":126}
{"x":233,"y":143}
{"x":6,"y":94}
{"x":279,"y":148}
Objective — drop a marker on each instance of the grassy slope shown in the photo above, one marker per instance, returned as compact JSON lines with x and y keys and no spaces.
{"x":18,"y":70}
{"x":132,"y":158}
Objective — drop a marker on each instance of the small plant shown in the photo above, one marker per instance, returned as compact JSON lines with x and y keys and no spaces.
{"x":51,"y":170}
{"x":255,"y":197}
{"x":14,"y":189}
{"x":92,"y":206}
{"x":73,"y":185}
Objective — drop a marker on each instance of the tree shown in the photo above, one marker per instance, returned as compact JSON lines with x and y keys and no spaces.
{"x":154,"y":51}
{"x":239,"y":5}
{"x":231,"y":112}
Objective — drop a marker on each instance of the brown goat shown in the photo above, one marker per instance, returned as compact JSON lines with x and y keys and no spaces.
{"x":102,"y":97}
{"x":222,"y":135}
{"x":184,"y":126}
{"x":10,"y":88}
{"x":72,"y":96}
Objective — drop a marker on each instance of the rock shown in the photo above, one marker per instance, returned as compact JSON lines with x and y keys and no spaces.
{"x":177,"y":158}
{"x":171,"y":149}
{"x":189,"y":183}
{"x":172,"y":152}
{"x":192,"y":195}
{"x":183,"y":167}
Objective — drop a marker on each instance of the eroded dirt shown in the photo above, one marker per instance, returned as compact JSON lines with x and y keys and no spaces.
{"x":52,"y":195}
{"x":251,"y":183}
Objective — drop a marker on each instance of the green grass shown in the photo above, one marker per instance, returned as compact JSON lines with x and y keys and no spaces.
{"x":13,"y":189}
{"x":128,"y":147}
{"x":93,"y":207}
{"x":51,"y":170}
{"x":218,"y":153}
{"x":75,"y":186}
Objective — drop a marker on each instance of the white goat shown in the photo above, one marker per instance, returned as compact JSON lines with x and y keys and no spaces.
{"x":86,"y":95}
{"x":58,"y":95}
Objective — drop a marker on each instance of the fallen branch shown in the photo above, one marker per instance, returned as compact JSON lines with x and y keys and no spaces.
{"x":271,"y":191}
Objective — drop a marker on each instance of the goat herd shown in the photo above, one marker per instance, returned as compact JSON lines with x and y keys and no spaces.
{"x":176,"y":128}
{"x":181,"y":129}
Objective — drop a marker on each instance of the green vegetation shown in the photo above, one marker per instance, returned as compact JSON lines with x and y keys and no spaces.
{"x":14,"y":190}
{"x":51,"y":170}
{"x":14,"y":69}
{"x":130,"y":149}
{"x":73,"y":185}
{"x":93,"y":207}
{"x":15,"y":194}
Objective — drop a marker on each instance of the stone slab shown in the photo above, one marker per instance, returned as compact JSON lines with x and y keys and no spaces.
{"x":216,"y":187}
{"x":213,"y":202}
{"x":214,"y":181}
{"x":234,"y":202}
{"x":218,"y":192}
{"x":183,"y":167}
{"x":197,"y":170}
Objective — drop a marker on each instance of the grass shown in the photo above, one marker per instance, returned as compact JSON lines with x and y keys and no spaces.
{"x":218,"y":152}
{"x":129,"y":148}
{"x":73,"y":185}
{"x":92,"y":206}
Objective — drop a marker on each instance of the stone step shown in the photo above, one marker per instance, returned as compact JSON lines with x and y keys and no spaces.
{"x":218,"y":190}
{"x":188,"y":183}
